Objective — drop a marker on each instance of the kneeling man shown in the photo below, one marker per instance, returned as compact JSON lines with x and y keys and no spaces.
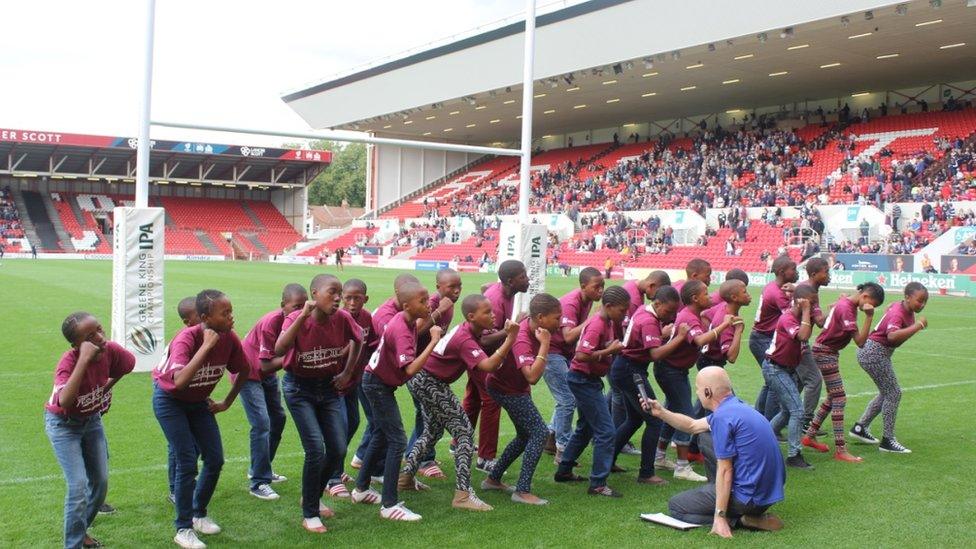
{"x":743,"y":462}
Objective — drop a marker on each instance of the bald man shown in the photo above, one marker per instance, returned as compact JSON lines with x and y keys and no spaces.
{"x":745,"y":468}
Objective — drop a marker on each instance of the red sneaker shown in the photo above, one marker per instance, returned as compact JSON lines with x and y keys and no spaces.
{"x":844,"y":455}
{"x":812,"y":443}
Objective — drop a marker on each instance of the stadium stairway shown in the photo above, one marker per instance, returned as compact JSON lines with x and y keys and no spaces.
{"x":30,"y":231}
{"x":256,"y":243}
{"x":250,"y":213}
{"x":208,"y":242}
{"x":48,"y":237}
{"x":52,"y":212}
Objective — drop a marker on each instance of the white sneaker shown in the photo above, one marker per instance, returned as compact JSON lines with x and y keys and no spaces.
{"x":265,"y":492}
{"x":205,"y":525}
{"x":687,"y":473}
{"x":187,"y":538}
{"x":376,"y":480}
{"x":369,"y":496}
{"x":663,"y":463}
{"x":356,"y":463}
{"x":399,"y":512}
{"x":630,"y":450}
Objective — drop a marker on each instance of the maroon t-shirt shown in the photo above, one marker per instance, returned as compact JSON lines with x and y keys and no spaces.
{"x":397,"y":349}
{"x":643,"y":334}
{"x":320,"y":347}
{"x":772,"y":303}
{"x":815,"y":309}
{"x":259,"y":343}
{"x":227,"y":354}
{"x":444,"y":321}
{"x":719,"y":350}
{"x":509,"y":379}
{"x":895,"y":318}
{"x":677,"y":286}
{"x":457,"y":351}
{"x":113,"y":362}
{"x":500,"y":304}
{"x":575,"y":311}
{"x":839,"y":326}
{"x":636,"y":299}
{"x":370,"y":340}
{"x":686,"y":355}
{"x":785,"y":348}
{"x":384,"y":313}
{"x":597,"y":334}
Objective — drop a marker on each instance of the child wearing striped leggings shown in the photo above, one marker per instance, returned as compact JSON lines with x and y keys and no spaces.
{"x":840,"y":327}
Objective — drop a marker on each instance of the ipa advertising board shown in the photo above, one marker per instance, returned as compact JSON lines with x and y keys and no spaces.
{"x":137,"y":284}
{"x":526,"y":243}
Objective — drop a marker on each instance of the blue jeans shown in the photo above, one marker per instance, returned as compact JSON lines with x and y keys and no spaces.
{"x":316,"y":410}
{"x":784,"y":384}
{"x":350,"y":418}
{"x":80,"y":448}
{"x":677,"y":394}
{"x":367,"y":431}
{"x":418,"y":429}
{"x":262,"y":406}
{"x":557,"y":368}
{"x":388,"y":441}
{"x":595,"y":423}
{"x":622,"y":378}
{"x":190,"y":428}
{"x":766,"y":403}
{"x":615,"y":403}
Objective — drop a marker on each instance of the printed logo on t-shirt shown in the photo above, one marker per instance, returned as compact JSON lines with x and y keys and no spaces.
{"x":320,"y":357}
{"x":207,"y":375}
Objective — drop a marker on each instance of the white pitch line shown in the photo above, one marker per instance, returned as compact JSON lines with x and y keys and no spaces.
{"x":918,"y":388}
{"x":245,"y":459}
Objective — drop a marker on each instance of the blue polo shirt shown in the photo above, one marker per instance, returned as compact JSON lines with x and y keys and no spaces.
{"x":743,"y":435}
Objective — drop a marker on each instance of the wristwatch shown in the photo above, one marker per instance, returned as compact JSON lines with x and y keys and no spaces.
{"x":720,"y":513}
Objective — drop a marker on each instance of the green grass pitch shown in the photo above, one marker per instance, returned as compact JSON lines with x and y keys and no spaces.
{"x":927,"y":497}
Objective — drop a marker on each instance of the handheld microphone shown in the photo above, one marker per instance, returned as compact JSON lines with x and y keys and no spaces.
{"x":639,"y":381}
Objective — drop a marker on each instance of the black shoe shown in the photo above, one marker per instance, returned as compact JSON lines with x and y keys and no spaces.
{"x":860,"y":432}
{"x":798,"y":462}
{"x":893,"y":446}
{"x":569,"y":477}
{"x":617,"y":469}
{"x":106,"y":509}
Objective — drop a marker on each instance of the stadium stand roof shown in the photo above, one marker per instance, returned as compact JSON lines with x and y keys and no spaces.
{"x":31,"y":153}
{"x":612,"y":62}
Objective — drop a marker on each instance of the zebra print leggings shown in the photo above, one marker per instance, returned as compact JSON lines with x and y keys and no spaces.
{"x":826,"y":360}
{"x":530,"y":437}
{"x":875,"y":359}
{"x":441,"y":409}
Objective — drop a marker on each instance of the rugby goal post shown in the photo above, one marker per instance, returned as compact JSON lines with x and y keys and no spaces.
{"x":137,"y":274}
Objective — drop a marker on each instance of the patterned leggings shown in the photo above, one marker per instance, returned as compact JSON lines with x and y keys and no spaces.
{"x":441,"y":409}
{"x":530,"y":437}
{"x":875,"y":359}
{"x":826,"y":360}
